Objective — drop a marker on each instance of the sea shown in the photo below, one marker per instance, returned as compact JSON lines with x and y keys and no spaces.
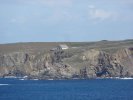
{"x":89,"y":89}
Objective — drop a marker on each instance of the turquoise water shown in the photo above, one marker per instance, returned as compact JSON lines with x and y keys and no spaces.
{"x":98,"y":89}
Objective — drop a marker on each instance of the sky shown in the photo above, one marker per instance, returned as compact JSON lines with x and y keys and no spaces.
{"x":65,"y":20}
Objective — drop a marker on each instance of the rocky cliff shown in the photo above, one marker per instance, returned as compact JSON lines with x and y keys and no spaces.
{"x":77,"y":62}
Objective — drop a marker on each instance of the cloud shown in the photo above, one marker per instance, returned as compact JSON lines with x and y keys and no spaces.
{"x":60,"y":16}
{"x":100,"y":14}
{"x":18,"y":20}
{"x":91,"y":6}
{"x":128,"y":1}
{"x":49,"y":3}
{"x":13,"y":20}
{"x":56,"y":2}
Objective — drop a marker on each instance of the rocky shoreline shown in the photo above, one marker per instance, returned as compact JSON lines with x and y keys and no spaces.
{"x":28,"y":78}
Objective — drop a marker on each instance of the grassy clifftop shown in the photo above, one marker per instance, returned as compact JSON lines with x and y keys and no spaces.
{"x":46,"y":46}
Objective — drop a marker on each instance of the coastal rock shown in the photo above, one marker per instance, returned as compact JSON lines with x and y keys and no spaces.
{"x":73,"y":63}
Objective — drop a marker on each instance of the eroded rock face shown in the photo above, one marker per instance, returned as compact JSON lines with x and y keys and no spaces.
{"x":88,"y":64}
{"x":13,"y":63}
{"x":37,"y":66}
{"x":125,"y":58}
{"x":119,"y":64}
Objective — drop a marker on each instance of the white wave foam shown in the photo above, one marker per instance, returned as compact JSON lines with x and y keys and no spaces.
{"x":126,"y":78}
{"x":35,"y":79}
{"x":50,"y":79}
{"x":10,"y":77}
{"x":22,"y":79}
{"x":3,"y":84}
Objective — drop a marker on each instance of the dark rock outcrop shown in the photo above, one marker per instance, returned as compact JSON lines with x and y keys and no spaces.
{"x":119,"y":64}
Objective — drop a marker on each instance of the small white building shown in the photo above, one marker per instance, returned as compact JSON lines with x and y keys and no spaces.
{"x":60,"y":47}
{"x":63,"y":47}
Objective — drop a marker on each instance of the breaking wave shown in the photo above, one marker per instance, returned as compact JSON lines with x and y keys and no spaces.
{"x":3,"y":84}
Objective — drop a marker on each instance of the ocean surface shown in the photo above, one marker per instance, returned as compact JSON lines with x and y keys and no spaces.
{"x":93,"y":89}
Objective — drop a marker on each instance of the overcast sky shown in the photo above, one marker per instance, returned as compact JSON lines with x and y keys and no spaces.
{"x":65,"y":20}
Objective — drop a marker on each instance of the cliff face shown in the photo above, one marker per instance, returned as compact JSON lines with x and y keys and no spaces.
{"x":87,"y":63}
{"x":119,"y":64}
{"x":41,"y":65}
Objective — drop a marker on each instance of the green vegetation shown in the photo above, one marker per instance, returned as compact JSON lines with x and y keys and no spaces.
{"x":108,"y":46}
